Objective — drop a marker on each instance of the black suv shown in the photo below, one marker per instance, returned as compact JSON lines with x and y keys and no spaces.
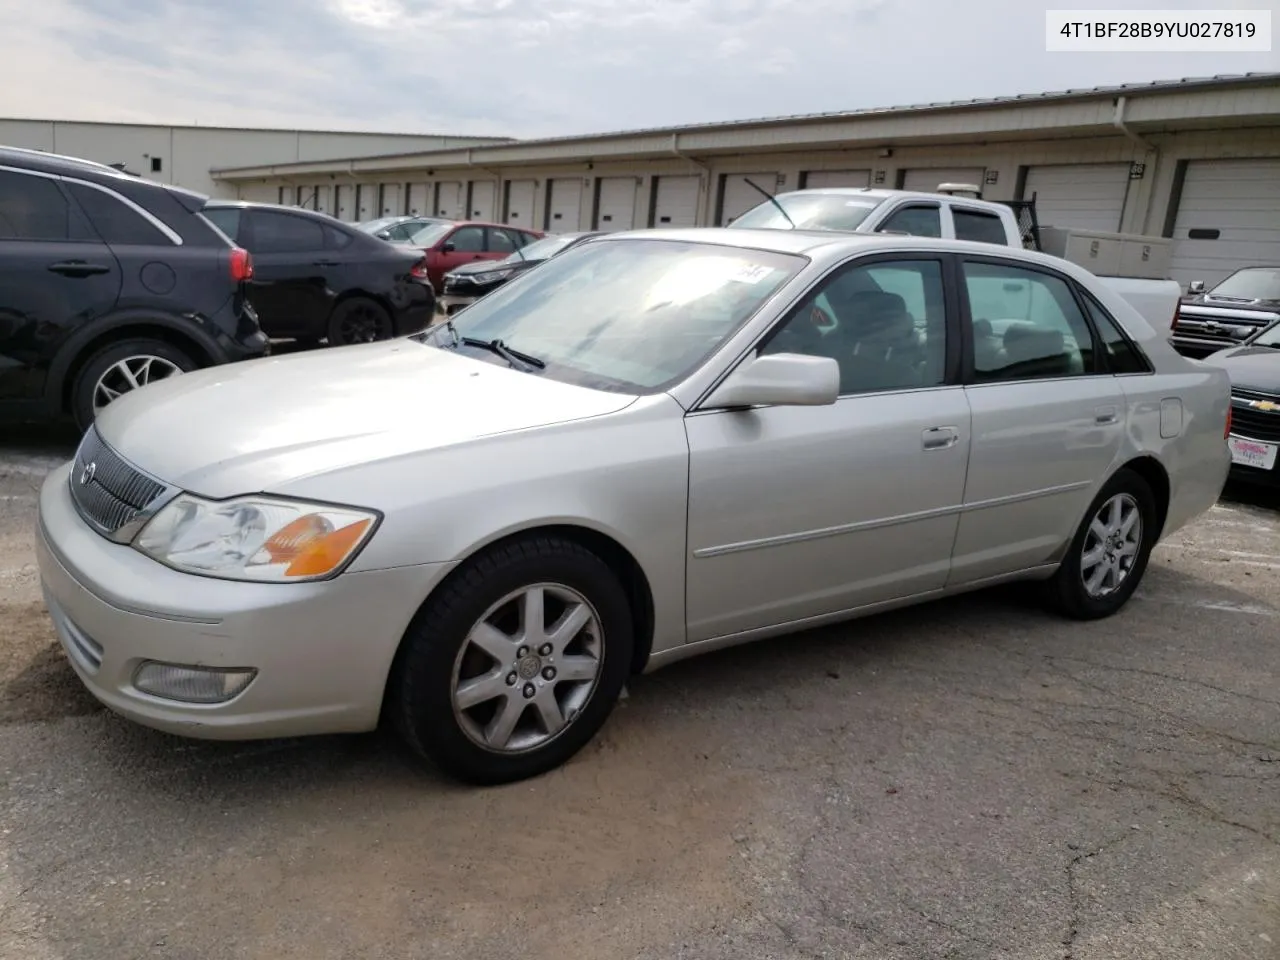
{"x":1237,"y":308}
{"x":316,"y":278}
{"x":109,"y":282}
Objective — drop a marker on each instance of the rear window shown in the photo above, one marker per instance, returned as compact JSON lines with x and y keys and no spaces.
{"x":226,"y":219}
{"x":117,"y":223}
{"x":32,"y":208}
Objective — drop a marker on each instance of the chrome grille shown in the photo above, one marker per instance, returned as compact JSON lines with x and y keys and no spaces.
{"x":108,"y":491}
{"x":1247,"y":421}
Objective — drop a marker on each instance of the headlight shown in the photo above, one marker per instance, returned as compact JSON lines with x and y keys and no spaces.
{"x":256,"y":538}
{"x":490,"y":276}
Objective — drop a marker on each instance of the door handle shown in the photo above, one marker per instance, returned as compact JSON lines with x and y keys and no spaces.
{"x":940,"y":438}
{"x":1105,"y":415}
{"x":78,"y":268}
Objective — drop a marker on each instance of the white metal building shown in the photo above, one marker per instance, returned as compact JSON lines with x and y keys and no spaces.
{"x":185,"y":155}
{"x":1197,"y":160}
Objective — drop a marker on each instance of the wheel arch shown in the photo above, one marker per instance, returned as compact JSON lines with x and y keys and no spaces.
{"x":78,"y":350}
{"x":1157,"y":477}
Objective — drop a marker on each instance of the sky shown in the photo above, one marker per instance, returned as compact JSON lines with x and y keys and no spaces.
{"x":530,"y":68}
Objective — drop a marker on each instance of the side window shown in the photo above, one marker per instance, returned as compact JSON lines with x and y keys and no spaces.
{"x":468,"y":240}
{"x":116,"y":223}
{"x":917,"y":219}
{"x":283,"y":233}
{"x":32,"y":208}
{"x":1026,"y":325}
{"x":226,"y":219}
{"x":978,"y":226}
{"x":500,"y":241}
{"x":335,"y":239}
{"x":525,"y":239}
{"x":884,"y":323}
{"x":1123,"y":356}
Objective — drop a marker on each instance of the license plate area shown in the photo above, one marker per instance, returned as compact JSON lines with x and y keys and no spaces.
{"x":1252,"y":453}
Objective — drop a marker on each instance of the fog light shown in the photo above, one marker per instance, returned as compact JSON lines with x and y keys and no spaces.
{"x":192,"y":684}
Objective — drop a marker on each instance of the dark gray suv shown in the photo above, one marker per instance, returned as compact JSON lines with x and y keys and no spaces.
{"x":107,"y":283}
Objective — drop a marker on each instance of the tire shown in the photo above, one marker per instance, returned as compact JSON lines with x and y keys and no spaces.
{"x":109,"y":371}
{"x":359,"y":320}
{"x":1067,"y":592}
{"x":438,"y":658}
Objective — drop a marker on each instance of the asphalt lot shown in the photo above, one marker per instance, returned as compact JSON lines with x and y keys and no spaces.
{"x":969,"y":779}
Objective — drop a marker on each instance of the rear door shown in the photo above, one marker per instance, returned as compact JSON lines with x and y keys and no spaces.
{"x":1048,"y":418}
{"x":293,"y":273}
{"x":56,"y":275}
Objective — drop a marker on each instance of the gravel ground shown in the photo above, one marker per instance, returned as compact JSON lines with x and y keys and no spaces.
{"x":969,"y":779}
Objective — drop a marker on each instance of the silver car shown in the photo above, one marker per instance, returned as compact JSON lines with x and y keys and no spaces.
{"x":659,"y":444}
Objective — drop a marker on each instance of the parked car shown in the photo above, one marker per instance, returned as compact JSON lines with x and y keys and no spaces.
{"x":397,"y":229}
{"x":468,"y":283}
{"x":1254,"y":368}
{"x":316,"y":278}
{"x":666,"y":446}
{"x":947,"y":213}
{"x":451,"y":244}
{"x":107,"y":283}
{"x":1239,"y":306}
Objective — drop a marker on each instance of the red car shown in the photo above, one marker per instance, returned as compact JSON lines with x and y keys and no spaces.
{"x":451,"y":244}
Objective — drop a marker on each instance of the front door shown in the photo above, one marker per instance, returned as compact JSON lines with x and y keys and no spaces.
{"x":800,"y":512}
{"x":1048,"y":420}
{"x":463,"y":245}
{"x":56,"y":275}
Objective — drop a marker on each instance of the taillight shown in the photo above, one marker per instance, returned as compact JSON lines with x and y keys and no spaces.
{"x":419,"y":269}
{"x":1177,"y":312}
{"x":241,"y":265}
{"x":1227,"y":430}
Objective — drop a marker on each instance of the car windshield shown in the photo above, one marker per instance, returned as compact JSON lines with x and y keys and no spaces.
{"x":542,"y":249}
{"x":810,"y":211}
{"x":1268,"y":336}
{"x":632,"y":316}
{"x":429,"y":234}
{"x":1253,"y":283}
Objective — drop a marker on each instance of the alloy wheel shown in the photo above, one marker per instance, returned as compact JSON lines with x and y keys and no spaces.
{"x":1111,"y":546}
{"x":129,"y":374}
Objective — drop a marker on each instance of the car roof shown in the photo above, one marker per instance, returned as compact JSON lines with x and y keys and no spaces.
{"x":57,"y":164}
{"x":883,"y":193}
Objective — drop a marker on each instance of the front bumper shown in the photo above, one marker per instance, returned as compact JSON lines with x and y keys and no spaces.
{"x":322,"y":650}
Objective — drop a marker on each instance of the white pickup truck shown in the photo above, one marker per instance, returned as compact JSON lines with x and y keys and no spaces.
{"x":1130,"y":264}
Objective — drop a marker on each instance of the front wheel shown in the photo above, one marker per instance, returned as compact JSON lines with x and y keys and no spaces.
{"x":1109,"y":553}
{"x":516,"y":663}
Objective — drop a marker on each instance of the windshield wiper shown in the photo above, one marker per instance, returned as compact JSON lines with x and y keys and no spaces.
{"x":517,"y":358}
{"x":772,"y":199}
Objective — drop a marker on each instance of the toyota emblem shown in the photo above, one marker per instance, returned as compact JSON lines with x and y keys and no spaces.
{"x":87,"y":473}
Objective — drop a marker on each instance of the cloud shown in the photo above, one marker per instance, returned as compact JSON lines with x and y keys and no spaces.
{"x":549,"y":68}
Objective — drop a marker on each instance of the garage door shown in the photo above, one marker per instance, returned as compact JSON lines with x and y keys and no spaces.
{"x":616,"y":209}
{"x":739,"y":196}
{"x":323,"y":199}
{"x":676,"y":204}
{"x":1228,"y":217}
{"x":367,"y":201}
{"x":344,"y":198}
{"x":451,"y":199}
{"x":1081,"y":196}
{"x":928,"y":179}
{"x":482,"y":198}
{"x":520,"y":194}
{"x":564,"y":204}
{"x":392,"y":204}
{"x":419,"y":199}
{"x":818,"y":179}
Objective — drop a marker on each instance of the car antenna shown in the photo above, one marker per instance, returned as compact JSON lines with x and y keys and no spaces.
{"x":772,"y":199}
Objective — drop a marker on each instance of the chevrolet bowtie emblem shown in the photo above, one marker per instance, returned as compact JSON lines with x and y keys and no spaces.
{"x":1266,"y":405}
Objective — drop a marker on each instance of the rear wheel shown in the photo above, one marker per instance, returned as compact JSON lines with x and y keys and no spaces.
{"x":359,"y":320}
{"x":1109,"y":553}
{"x":122,"y":368}
{"x":516,"y":663}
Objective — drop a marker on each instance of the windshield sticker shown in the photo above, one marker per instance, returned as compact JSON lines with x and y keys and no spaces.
{"x":751,"y":273}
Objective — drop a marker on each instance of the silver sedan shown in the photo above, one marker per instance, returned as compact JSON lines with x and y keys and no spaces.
{"x":656,"y":445}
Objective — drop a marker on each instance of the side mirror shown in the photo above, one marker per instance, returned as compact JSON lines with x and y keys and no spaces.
{"x":1195,"y":286}
{"x":448,"y":248}
{"x":383,"y":234}
{"x":779,"y":379}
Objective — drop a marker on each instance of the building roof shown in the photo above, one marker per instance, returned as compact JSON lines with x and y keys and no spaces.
{"x":244,"y":129}
{"x":1080,"y":110}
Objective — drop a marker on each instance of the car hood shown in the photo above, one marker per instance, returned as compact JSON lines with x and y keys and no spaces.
{"x":1250,"y":368}
{"x":489,"y":266}
{"x":258,"y":425}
